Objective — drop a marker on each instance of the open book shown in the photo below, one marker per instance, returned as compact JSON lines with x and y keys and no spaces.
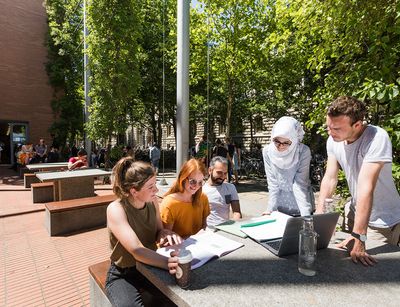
{"x":204,"y":247}
{"x":268,"y":231}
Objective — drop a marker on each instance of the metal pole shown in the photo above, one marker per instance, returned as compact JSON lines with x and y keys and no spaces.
{"x":182,"y":90}
{"x":88,"y":143}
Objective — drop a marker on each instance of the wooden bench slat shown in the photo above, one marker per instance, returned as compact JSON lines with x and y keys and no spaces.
{"x":99,"y":273}
{"x":42,"y":184}
{"x":86,"y":202}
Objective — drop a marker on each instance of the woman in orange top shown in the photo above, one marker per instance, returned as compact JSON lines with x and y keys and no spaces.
{"x":185,"y":208}
{"x":26,"y":153}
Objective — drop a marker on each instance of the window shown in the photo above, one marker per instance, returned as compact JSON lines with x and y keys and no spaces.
{"x":169,"y":130}
{"x":222,"y":128}
{"x":258,"y":124}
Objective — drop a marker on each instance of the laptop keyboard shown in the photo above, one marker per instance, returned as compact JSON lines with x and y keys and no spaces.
{"x":275,"y":244}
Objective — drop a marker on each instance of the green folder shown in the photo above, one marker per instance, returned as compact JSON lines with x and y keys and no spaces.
{"x":232,"y":227}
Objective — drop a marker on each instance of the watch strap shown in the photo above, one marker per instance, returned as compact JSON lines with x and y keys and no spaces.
{"x":361,"y":237}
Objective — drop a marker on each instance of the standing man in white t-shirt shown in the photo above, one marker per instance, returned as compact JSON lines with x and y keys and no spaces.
{"x":222,"y":196}
{"x":364,"y":152}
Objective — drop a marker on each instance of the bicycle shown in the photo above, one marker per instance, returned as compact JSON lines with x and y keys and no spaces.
{"x":252,"y":168}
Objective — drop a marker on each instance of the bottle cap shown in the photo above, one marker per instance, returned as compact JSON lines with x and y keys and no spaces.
{"x":185,"y":256}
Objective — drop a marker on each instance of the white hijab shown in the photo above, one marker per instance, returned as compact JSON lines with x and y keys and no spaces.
{"x":290,"y":128}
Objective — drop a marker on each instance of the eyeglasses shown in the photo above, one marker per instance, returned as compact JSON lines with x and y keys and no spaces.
{"x":193,"y":183}
{"x":283,"y":144}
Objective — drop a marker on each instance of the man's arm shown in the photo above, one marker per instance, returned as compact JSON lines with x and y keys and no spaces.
{"x":237,"y":214}
{"x":328,"y":183}
{"x":366,"y":183}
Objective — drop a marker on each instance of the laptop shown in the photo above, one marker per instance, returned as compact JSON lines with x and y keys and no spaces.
{"x":324,"y":226}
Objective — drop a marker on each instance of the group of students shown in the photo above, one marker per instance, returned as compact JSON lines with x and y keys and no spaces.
{"x":30,"y":154}
{"x":137,"y":223}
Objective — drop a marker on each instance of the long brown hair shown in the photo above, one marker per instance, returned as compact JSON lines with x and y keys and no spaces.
{"x":128,"y":174}
{"x":187,"y":168}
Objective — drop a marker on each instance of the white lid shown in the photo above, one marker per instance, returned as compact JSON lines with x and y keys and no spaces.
{"x":185,"y":256}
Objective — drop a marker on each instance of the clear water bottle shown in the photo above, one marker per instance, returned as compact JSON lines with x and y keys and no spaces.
{"x":308,"y":248}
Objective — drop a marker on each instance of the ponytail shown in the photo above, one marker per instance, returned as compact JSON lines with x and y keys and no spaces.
{"x":128,"y":174}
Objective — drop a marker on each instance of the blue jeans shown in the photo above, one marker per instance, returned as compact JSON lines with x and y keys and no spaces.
{"x":128,"y":287}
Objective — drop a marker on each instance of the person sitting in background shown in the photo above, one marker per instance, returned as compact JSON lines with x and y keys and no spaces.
{"x":221,"y":195}
{"x":26,"y":153}
{"x":185,"y":207}
{"x":41,"y":151}
{"x":134,"y":229}
{"x":53,"y":155}
{"x":78,"y":162}
{"x":287,"y":166}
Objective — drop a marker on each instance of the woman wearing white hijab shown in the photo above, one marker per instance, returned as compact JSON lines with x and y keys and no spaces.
{"x":287,"y":166}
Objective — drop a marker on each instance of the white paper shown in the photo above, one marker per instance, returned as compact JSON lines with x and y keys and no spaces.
{"x":204,"y":247}
{"x":268,"y":231}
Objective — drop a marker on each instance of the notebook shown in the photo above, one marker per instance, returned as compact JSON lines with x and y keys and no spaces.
{"x":235,"y":227}
{"x":324,"y":226}
{"x":268,"y":231}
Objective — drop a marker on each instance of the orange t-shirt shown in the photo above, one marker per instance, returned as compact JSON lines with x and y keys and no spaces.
{"x":186,"y":218}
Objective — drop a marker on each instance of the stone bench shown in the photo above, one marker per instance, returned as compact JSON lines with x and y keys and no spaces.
{"x":151,"y":296}
{"x":42,"y":192}
{"x":30,"y":178}
{"x":97,"y":282}
{"x":72,"y":215}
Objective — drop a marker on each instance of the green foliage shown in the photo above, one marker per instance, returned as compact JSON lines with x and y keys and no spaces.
{"x":64,"y":68}
{"x":247,"y":58}
{"x":114,"y":30}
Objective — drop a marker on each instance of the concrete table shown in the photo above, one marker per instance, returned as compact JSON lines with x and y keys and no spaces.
{"x":73,"y":184}
{"x":252,"y":276}
{"x":41,"y":167}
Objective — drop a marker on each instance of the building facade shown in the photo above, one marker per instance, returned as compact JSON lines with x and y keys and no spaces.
{"x":25,"y":93}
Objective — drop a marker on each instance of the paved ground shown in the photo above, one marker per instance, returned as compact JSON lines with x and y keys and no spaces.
{"x":39,"y":270}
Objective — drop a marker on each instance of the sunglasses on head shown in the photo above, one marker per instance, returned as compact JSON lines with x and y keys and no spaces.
{"x":194,"y":182}
{"x":279,"y":143}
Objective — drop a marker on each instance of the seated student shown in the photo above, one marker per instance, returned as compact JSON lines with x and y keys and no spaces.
{"x":185,"y":208}
{"x":26,"y":154}
{"x":287,"y":166}
{"x":221,"y":195}
{"x":134,"y":225}
{"x":41,"y":151}
{"x":53,"y":155}
{"x":78,"y":162}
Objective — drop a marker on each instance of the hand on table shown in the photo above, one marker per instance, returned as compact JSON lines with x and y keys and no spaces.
{"x":357,"y":251}
{"x":167,"y":238}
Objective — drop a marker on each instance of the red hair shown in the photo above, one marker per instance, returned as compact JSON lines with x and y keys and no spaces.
{"x":188,"y":168}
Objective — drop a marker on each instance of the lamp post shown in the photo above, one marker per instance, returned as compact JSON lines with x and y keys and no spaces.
{"x":182,"y":89}
{"x":86,"y":72}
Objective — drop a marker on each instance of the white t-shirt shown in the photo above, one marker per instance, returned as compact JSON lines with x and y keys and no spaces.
{"x":373,"y":146}
{"x":220,"y":198}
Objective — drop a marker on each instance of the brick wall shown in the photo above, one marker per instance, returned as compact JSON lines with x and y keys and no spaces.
{"x":25,"y":94}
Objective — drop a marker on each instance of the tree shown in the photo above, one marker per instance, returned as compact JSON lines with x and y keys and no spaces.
{"x":114,"y":31}
{"x":64,"y":67}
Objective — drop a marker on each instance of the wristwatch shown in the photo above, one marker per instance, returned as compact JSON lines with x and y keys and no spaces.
{"x":361,"y":237}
